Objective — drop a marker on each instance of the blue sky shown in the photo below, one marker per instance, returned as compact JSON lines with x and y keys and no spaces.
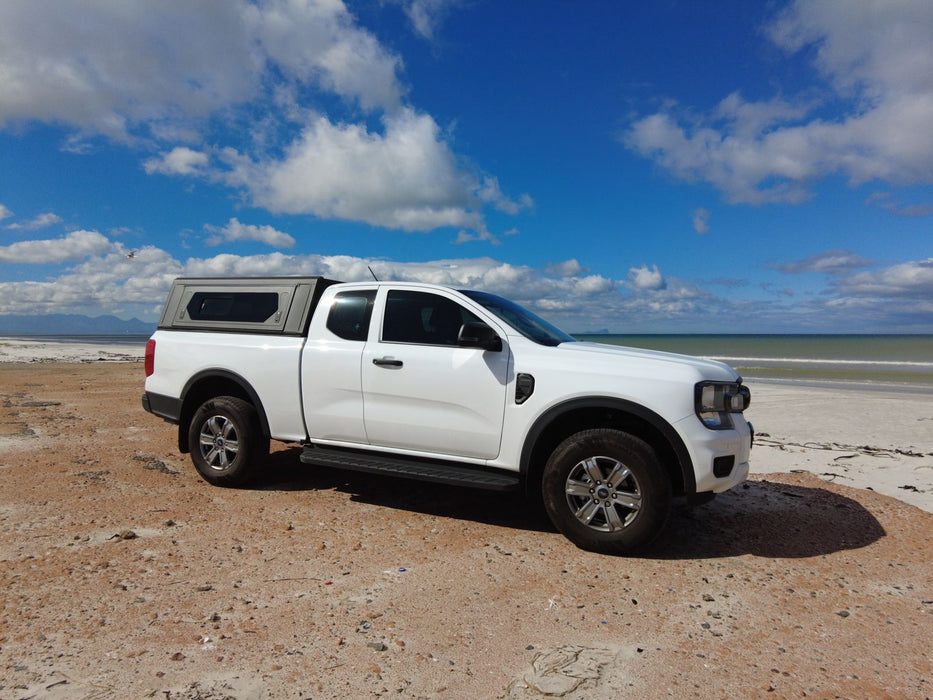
{"x":719,"y":167}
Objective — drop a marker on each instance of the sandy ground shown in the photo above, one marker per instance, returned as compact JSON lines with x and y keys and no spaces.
{"x":123,"y":574}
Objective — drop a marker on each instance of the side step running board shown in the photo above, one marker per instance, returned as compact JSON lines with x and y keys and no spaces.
{"x":408,"y":468}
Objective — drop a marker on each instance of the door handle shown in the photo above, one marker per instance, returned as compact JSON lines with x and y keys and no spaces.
{"x":386,"y":362}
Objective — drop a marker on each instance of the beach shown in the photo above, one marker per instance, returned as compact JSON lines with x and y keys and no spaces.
{"x":123,"y":574}
{"x":37,"y":350}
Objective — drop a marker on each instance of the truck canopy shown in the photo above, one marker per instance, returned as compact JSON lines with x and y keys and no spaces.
{"x":268,"y":305}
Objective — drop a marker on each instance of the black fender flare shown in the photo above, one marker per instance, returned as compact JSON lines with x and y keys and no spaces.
{"x":226,"y":376}
{"x":657,"y":422}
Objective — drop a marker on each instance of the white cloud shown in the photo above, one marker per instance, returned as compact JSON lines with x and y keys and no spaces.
{"x":181,"y":160}
{"x":568,"y":268}
{"x":752,"y":118}
{"x":832,"y":262}
{"x":642,"y":278}
{"x":165,"y":65}
{"x":911,"y":280}
{"x":5,"y":213}
{"x":139,"y":62}
{"x":41,"y":221}
{"x":235,"y":231}
{"x":883,"y":200}
{"x":592,"y":284}
{"x":170,"y":75}
{"x":405,"y":178}
{"x":701,"y":220}
{"x":426,"y":15}
{"x":490,"y":192}
{"x":876,"y":45}
{"x":108,"y":283}
{"x":75,"y":246}
{"x":318,"y":41}
{"x":892,"y":298}
{"x":878,"y":59}
{"x":465,"y":236}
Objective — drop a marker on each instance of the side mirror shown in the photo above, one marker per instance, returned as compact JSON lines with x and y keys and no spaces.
{"x":477,"y":334}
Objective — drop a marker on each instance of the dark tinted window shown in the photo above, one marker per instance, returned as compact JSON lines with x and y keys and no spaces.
{"x":521,"y":319}
{"x":349,"y":316}
{"x":253,"y":307}
{"x":420,"y":317}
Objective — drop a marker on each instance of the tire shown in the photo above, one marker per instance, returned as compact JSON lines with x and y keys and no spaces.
{"x":226,"y":441}
{"x":606,"y":491}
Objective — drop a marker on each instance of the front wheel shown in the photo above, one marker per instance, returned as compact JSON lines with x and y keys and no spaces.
{"x":606,"y":491}
{"x":226,"y":441}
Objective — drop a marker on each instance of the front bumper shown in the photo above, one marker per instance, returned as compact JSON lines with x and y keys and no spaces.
{"x":720,"y":457}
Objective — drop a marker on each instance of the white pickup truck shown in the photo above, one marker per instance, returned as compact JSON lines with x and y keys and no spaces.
{"x":444,"y":385}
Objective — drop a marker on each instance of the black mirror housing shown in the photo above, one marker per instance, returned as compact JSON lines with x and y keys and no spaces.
{"x":476,"y":334}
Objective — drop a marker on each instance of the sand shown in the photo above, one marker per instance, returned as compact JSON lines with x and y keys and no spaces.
{"x":123,"y":574}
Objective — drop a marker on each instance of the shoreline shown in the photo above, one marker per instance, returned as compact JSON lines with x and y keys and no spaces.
{"x":39,"y":350}
{"x":865,"y":385}
{"x":31,"y":349}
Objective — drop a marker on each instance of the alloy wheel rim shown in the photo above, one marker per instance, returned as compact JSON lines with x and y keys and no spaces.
{"x":219,"y":442}
{"x":603,"y":494}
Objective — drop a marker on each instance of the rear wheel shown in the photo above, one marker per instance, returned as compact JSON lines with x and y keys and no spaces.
{"x":226,"y":441}
{"x":606,"y":491}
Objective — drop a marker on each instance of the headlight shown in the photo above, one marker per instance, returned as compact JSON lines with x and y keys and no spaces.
{"x":715,"y":401}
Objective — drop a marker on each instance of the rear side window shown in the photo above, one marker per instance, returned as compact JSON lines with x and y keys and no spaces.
{"x":350,"y":314}
{"x":245,"y":307}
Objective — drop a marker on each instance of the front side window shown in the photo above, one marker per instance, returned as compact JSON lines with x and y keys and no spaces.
{"x":350,"y":314}
{"x":423,"y":318}
{"x":521,"y":319}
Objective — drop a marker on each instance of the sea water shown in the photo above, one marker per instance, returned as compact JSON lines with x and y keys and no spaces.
{"x":899,"y":362}
{"x":132,"y":339}
{"x":895,"y":362}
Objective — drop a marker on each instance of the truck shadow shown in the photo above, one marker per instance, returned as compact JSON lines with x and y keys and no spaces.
{"x":768,"y":519}
{"x":509,"y":510}
{"x":760,"y":518}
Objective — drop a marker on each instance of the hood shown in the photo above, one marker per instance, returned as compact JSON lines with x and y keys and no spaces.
{"x":707,"y":369}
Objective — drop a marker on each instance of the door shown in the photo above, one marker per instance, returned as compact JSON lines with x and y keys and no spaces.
{"x":422,"y":392}
{"x":332,"y":393}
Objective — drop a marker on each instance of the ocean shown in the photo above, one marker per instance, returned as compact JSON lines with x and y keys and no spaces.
{"x":100,"y":339}
{"x":896,"y":362}
{"x":882,"y":362}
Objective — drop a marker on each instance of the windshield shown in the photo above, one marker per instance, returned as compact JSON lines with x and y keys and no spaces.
{"x":521,"y":319}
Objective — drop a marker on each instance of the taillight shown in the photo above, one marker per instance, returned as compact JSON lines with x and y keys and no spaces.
{"x":150,"y":358}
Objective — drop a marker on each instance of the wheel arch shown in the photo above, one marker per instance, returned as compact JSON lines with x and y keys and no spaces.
{"x":565,"y":419}
{"x":211,"y":383}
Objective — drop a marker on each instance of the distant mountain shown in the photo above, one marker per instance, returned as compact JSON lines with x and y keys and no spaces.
{"x":72,"y":324}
